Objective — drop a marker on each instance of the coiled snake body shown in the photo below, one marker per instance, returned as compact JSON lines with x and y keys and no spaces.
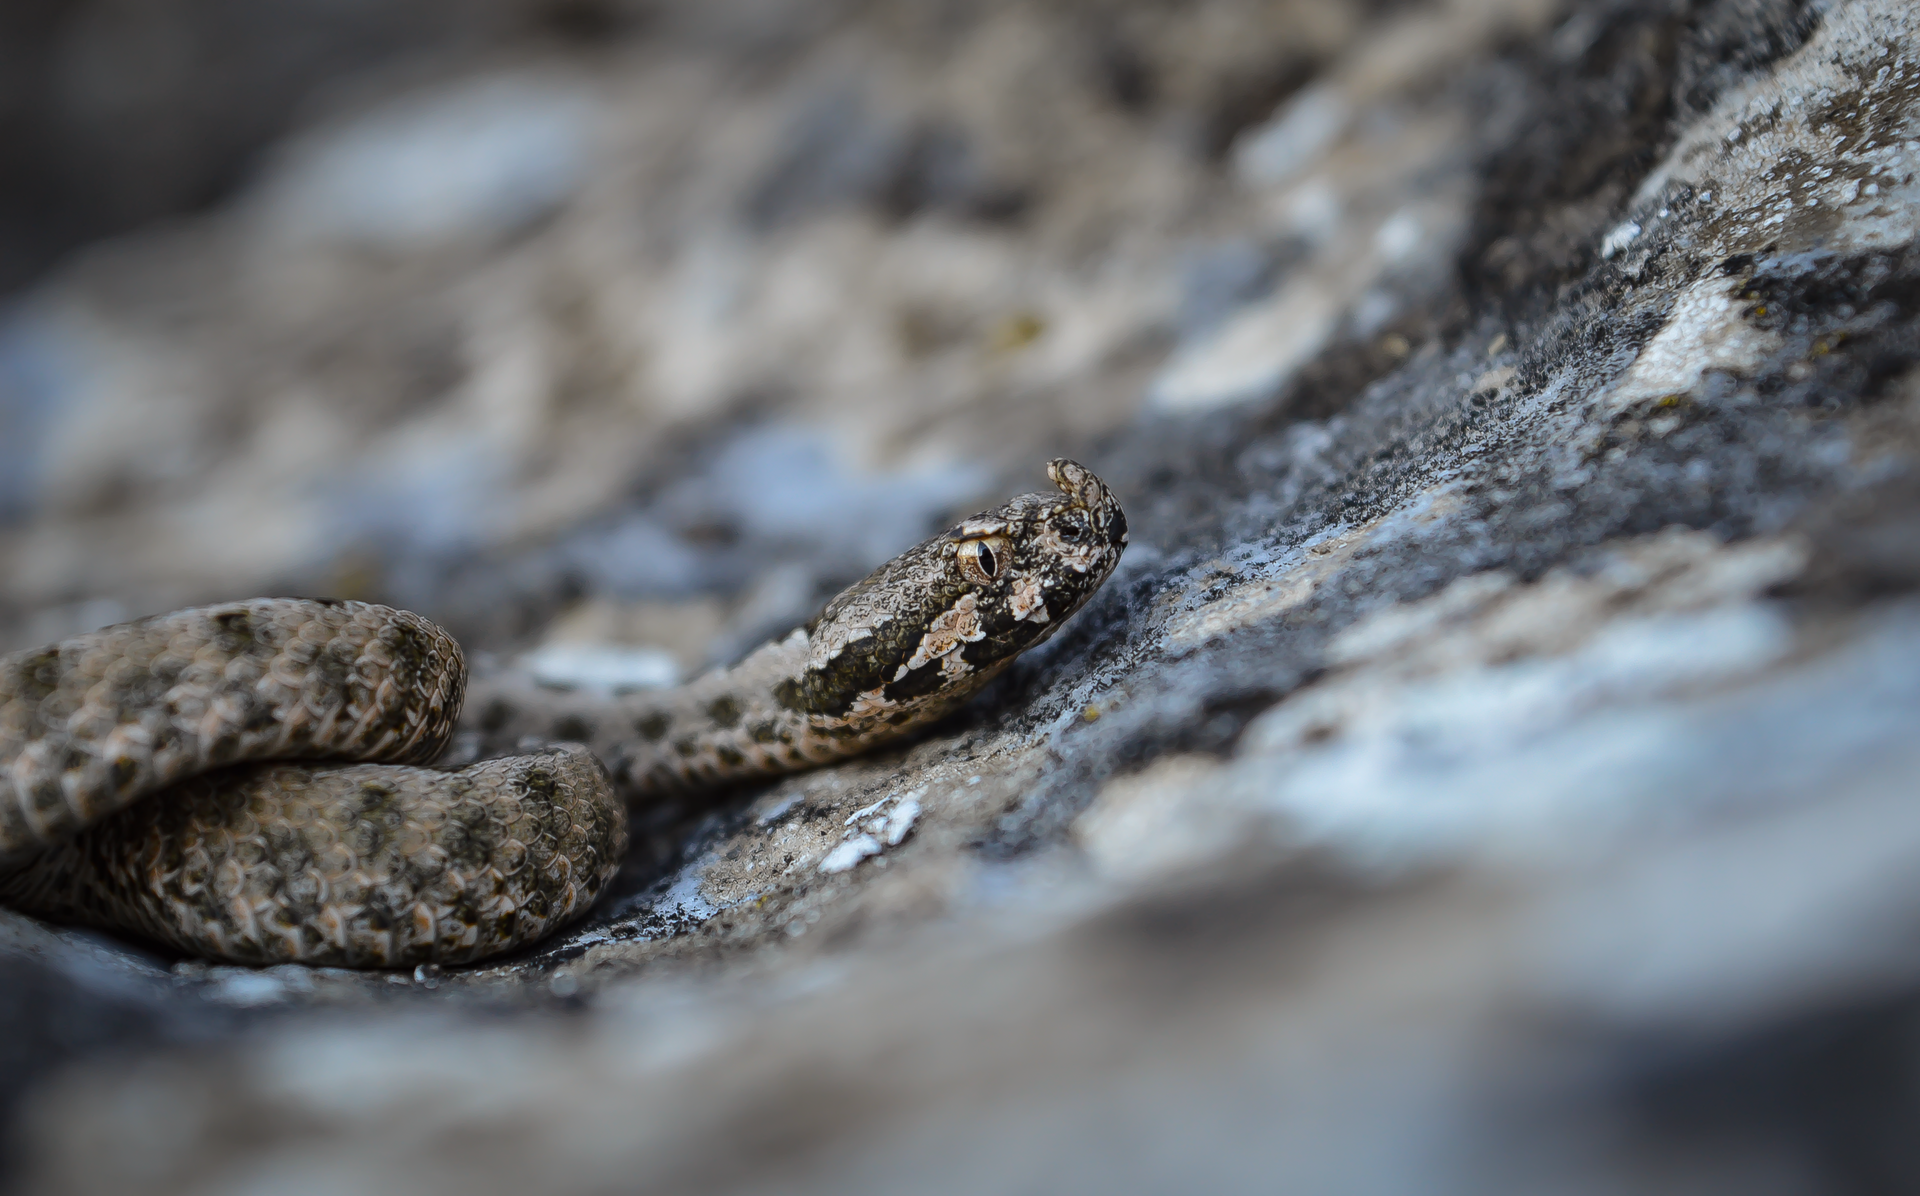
{"x":182,"y":777}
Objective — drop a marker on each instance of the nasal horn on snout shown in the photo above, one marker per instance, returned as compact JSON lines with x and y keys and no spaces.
{"x":1077,"y":482}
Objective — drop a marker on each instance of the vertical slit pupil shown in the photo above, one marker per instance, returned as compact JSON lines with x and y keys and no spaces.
{"x":986,"y":560}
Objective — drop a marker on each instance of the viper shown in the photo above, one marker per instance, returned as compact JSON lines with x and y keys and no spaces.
{"x":255,"y":781}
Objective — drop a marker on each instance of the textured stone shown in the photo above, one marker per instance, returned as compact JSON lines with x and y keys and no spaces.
{"x":1490,"y":769}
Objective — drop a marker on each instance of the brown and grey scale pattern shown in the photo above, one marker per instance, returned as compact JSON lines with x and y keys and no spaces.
{"x":88,"y":725}
{"x":133,"y":793}
{"x":363,"y":865}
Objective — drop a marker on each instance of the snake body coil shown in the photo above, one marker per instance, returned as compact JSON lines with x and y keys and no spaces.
{"x":161,"y":778}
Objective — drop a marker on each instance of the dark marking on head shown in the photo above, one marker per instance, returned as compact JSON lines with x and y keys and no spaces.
{"x":1051,"y":548}
{"x":917,"y":684}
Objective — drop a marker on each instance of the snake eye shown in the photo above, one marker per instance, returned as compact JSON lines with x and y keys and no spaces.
{"x":981,"y":559}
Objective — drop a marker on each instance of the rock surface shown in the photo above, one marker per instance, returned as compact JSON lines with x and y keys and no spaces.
{"x":1492,"y":769}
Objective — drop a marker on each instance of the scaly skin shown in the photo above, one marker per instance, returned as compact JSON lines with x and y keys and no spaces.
{"x":129,"y":796}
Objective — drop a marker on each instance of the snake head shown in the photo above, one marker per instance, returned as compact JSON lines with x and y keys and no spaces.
{"x":930,"y":627}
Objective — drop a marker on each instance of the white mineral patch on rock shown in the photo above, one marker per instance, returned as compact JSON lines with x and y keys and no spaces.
{"x":236,"y":986}
{"x":1623,"y":235}
{"x":900,"y":822}
{"x":1706,"y":331}
{"x":849,"y":853}
{"x":685,"y":899}
{"x":688,"y":896}
{"x":604,"y":667}
{"x":878,"y":828}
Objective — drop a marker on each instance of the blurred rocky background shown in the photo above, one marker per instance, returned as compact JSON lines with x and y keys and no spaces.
{"x":1495,"y":767}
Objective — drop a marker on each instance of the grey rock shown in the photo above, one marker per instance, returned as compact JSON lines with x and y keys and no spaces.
{"x":1491,"y":769}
